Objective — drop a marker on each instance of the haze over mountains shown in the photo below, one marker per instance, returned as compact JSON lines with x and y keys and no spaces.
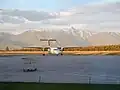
{"x":65,"y":38}
{"x":86,"y":25}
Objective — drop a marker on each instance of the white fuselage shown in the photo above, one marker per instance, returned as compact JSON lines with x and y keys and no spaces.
{"x":54,"y":51}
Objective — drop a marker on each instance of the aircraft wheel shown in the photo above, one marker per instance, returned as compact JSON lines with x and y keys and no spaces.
{"x":43,"y":54}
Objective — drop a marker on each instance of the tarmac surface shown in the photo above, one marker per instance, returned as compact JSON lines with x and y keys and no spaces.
{"x":61,"y":69}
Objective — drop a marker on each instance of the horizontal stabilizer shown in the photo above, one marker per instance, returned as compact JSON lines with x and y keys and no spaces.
{"x":47,"y":39}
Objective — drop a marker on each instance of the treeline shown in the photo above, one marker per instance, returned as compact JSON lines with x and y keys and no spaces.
{"x":32,"y":49}
{"x":89,"y":48}
{"x":94,"y":48}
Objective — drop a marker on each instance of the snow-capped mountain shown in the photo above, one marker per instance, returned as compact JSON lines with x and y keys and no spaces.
{"x":79,"y":26}
{"x":71,"y":38}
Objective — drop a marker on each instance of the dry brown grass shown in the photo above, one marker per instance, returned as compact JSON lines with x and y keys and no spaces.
{"x":93,"y":52}
{"x":21,"y":52}
{"x":64,"y":52}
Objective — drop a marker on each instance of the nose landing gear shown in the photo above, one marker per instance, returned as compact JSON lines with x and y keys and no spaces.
{"x":43,"y":54}
{"x":61,"y":54}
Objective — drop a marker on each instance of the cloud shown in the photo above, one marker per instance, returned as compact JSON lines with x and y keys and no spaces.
{"x":103,"y":17}
{"x":30,"y":15}
{"x":97,"y":17}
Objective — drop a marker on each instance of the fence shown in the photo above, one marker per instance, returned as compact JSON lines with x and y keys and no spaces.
{"x":87,"y":79}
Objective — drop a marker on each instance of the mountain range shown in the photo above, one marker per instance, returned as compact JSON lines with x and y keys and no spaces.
{"x":70,"y":38}
{"x":85,"y":25}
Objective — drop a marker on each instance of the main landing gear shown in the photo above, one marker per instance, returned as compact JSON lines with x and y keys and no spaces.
{"x":53,"y":54}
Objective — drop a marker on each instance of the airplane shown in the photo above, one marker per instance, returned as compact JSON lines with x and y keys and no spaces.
{"x":53,"y":50}
{"x":56,"y":51}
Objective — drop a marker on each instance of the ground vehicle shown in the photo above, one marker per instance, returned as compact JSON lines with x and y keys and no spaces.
{"x":29,"y":65}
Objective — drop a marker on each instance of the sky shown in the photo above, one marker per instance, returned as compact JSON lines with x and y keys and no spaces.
{"x":44,"y":4}
{"x":97,"y":15}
